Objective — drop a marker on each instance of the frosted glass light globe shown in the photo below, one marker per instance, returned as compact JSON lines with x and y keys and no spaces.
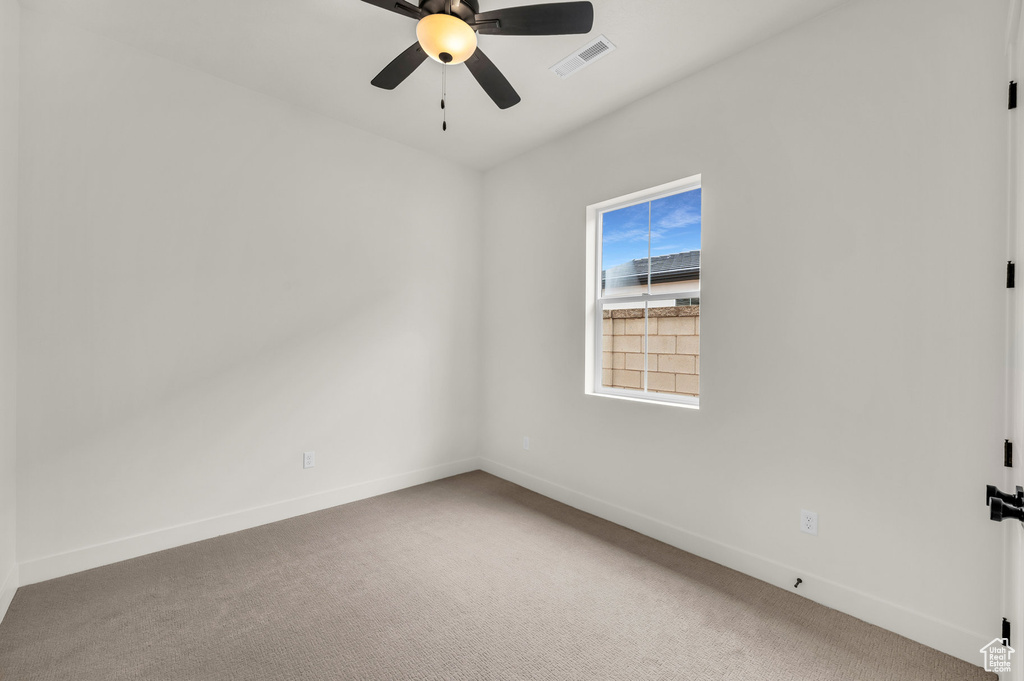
{"x":446,"y":39}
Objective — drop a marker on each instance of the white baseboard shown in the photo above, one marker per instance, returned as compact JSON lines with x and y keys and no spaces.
{"x":86,"y":558}
{"x":943,"y":636}
{"x":7,"y":589}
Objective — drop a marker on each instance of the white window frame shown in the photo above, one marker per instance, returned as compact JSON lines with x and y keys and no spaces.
{"x":595,"y":301}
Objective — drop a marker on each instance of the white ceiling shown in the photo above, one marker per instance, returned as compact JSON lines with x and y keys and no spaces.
{"x":322,"y":54}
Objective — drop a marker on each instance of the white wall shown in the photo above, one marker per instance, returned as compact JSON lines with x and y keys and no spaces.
{"x":212,"y":282}
{"x":9,"y":32}
{"x":858,"y":164}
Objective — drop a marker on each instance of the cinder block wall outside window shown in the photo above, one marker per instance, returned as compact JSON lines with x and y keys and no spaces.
{"x":673,"y":359}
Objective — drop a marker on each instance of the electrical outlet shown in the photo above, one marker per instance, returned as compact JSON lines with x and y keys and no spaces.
{"x":809,"y":522}
{"x":308,"y":459}
{"x":526,"y":443}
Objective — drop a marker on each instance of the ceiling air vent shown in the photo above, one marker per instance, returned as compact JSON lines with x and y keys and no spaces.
{"x":584,"y":56}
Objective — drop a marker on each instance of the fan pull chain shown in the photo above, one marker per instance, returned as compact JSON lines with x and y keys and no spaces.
{"x":444,"y":94}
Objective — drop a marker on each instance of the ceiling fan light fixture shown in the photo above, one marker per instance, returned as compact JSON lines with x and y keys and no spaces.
{"x":445,"y":38}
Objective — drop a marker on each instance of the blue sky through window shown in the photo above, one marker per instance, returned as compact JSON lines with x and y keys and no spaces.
{"x":675,"y":223}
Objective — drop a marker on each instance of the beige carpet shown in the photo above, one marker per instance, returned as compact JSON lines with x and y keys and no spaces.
{"x":466,"y":578}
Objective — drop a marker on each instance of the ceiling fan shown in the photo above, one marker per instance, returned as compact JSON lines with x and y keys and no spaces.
{"x":447,"y":33}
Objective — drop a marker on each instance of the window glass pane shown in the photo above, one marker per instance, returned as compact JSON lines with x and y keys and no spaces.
{"x":650,"y":249}
{"x":622,"y":359}
{"x":675,"y":242}
{"x":624,"y":249}
{"x":673,"y":347}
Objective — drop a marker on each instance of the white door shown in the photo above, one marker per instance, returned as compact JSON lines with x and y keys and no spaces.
{"x":1013,"y":583}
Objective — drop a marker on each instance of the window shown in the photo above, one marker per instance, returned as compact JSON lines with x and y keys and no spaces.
{"x":643,"y":294}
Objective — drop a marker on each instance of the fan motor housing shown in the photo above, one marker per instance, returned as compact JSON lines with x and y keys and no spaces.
{"x":463,"y":9}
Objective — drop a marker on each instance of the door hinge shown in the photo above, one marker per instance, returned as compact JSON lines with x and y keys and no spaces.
{"x":1002,"y":505}
{"x":1008,"y":454}
{"x":1010,"y":267}
{"x":1012,"y":97}
{"x":1006,"y":631}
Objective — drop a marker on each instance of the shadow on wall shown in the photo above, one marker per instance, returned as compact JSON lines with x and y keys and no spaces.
{"x":364,"y":392}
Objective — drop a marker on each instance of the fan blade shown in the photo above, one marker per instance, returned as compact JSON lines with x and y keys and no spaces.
{"x":399,"y":7}
{"x":400,"y":68}
{"x":491,"y":80}
{"x":560,"y":18}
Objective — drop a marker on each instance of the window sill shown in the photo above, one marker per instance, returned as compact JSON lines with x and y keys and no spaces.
{"x":649,"y":398}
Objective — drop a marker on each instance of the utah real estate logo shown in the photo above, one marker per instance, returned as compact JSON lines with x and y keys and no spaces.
{"x":997,"y":656}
